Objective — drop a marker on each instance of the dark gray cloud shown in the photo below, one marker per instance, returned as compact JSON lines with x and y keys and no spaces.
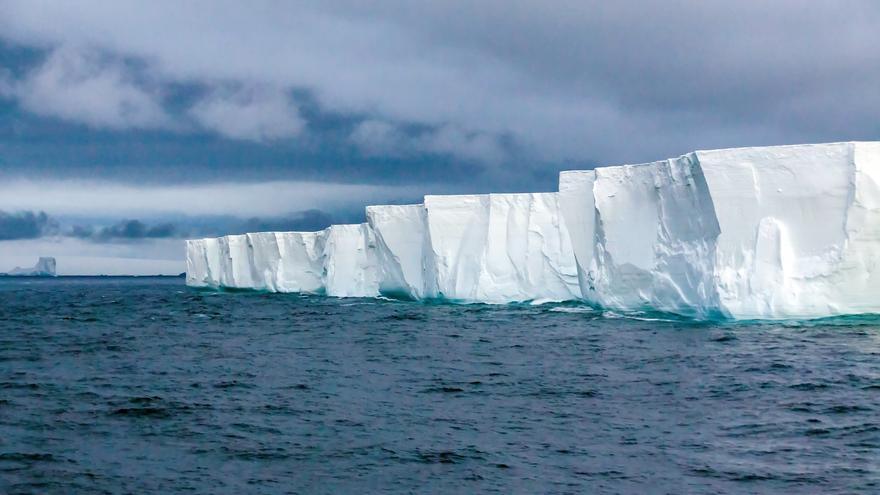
{"x":507,"y":87}
{"x":205,"y":226}
{"x":306,"y":221}
{"x":26,"y":225}
{"x":125,"y":230}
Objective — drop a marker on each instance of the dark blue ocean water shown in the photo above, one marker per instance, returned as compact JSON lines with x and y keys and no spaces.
{"x":145,"y":386}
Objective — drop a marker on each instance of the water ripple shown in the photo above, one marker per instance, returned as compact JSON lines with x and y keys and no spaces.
{"x":143,"y":386}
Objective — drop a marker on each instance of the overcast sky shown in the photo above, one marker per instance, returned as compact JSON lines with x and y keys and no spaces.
{"x":201,"y":118}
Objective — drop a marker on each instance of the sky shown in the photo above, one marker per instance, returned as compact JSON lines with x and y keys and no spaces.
{"x":126,"y":127}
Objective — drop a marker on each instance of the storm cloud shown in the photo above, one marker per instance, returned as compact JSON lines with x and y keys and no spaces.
{"x":35,"y":225}
{"x":127,"y":230}
{"x":511,"y":85}
{"x":26,"y":225}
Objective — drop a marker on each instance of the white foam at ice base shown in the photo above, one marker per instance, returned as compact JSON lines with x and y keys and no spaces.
{"x":403,"y":246}
{"x":500,"y":248}
{"x":351,"y":263}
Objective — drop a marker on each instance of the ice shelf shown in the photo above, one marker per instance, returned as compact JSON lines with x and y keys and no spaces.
{"x":769,"y":232}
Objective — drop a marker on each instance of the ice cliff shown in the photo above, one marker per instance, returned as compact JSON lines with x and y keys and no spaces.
{"x":770,"y":232}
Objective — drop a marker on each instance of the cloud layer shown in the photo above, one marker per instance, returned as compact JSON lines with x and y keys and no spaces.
{"x":264,"y":199}
{"x":83,"y":86}
{"x":133,"y":123}
{"x":571,"y":81}
{"x":255,"y":114}
{"x":26,"y":225}
{"x":35,"y":225}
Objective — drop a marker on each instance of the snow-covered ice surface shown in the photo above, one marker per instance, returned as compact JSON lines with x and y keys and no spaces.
{"x":771,"y":232}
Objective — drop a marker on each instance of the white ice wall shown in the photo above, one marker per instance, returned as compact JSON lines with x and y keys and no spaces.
{"x":403,"y":244}
{"x":351,"y":268}
{"x":196,"y":264}
{"x":237,"y":269}
{"x":301,"y":263}
{"x":265,"y":258}
{"x":774,"y":232}
{"x":578,"y":208}
{"x":500,"y":248}
{"x":655,"y":238}
{"x":273,"y":261}
{"x":798,"y":226}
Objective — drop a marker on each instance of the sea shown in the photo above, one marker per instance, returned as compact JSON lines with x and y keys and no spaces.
{"x":142,"y":385}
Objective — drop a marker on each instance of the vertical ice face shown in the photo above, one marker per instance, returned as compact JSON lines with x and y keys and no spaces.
{"x":858,"y":275}
{"x":458,"y":227}
{"x":196,"y":264}
{"x":644,"y":235}
{"x":273,"y":261}
{"x":501,"y":248}
{"x":213,"y":262}
{"x":528,"y":250}
{"x":351,"y":265}
{"x":774,"y":232}
{"x":578,"y":207}
{"x":265,"y":260}
{"x":236,"y":263}
{"x":203,"y":265}
{"x":796,"y":223}
{"x":301,"y":261}
{"x":655,"y":237}
{"x":403,"y":245}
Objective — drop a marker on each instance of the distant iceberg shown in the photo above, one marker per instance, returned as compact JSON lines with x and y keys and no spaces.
{"x":749,"y":233}
{"x":45,"y":267}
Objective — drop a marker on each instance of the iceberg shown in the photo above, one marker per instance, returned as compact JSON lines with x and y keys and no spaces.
{"x":749,"y":233}
{"x":45,"y":267}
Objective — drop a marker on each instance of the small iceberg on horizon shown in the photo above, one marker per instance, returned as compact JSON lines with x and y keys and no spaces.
{"x":45,"y":267}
